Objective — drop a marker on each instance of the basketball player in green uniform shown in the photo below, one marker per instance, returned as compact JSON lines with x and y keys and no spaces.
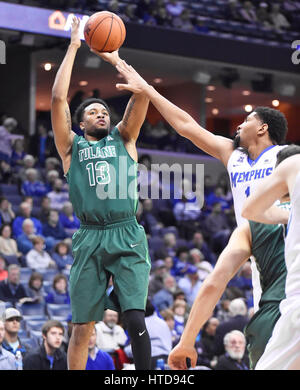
{"x":266,"y":244}
{"x":101,"y":169}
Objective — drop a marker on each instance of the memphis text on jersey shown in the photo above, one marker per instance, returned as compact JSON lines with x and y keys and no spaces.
{"x":254,"y":174}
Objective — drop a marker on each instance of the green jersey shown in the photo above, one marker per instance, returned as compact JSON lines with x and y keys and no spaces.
{"x":102,"y":180}
{"x":268,"y":250}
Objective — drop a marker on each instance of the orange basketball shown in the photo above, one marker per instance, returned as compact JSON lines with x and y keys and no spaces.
{"x":104,"y":31}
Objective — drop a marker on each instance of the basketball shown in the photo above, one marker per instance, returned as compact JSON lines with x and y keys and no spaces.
{"x":104,"y":31}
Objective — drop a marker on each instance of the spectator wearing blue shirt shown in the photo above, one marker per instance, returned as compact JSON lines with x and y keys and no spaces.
{"x":31,"y":186}
{"x":24,"y":240}
{"x":68,"y":219}
{"x":53,"y":228}
{"x":59,"y":293}
{"x":25,"y":213}
{"x":163,"y":299}
{"x":18,"y":154}
{"x":97,"y":359}
{"x":62,"y":257}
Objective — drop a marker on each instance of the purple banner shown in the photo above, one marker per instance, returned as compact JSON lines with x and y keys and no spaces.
{"x":38,"y":20}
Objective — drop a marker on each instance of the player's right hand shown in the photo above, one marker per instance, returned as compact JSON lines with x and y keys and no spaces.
{"x":75,"y":32}
{"x":178,"y":356}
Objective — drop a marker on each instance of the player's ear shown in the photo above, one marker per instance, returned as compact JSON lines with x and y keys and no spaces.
{"x":263,"y":129}
{"x":81,"y":125}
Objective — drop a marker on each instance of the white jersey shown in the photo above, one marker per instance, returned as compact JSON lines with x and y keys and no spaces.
{"x":283,"y":348}
{"x":245,"y":174}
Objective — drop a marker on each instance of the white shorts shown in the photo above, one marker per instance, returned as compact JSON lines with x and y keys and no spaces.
{"x":283,"y":347}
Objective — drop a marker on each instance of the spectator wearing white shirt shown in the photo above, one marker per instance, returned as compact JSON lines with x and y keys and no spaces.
{"x":6,"y":138}
{"x":38,"y":258}
{"x":110,"y":335}
{"x":58,"y":196}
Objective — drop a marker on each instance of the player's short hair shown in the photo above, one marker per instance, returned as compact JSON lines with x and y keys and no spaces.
{"x":78,"y":115}
{"x":276,"y":121}
{"x":286,"y":152}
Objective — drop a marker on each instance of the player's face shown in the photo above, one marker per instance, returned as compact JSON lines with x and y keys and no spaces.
{"x":96,"y":121}
{"x":247,"y":131}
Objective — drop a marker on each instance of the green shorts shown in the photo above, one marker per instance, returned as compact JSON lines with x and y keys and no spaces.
{"x":259,"y":330}
{"x":119,"y":250}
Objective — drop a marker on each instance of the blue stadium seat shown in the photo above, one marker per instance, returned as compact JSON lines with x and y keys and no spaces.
{"x":25,"y":273}
{"x":54,"y":309}
{"x":31,"y":342}
{"x":9,"y":189}
{"x":36,"y":337}
{"x":34,"y":325}
{"x":31,"y":308}
{"x":48,"y":274}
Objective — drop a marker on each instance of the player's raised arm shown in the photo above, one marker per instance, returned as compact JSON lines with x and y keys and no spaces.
{"x":182,"y":122}
{"x":60,"y":112}
{"x":236,"y":253}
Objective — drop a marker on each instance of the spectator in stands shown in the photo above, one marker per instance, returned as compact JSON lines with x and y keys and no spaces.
{"x":62,"y":257}
{"x":58,"y":196}
{"x":156,"y":280}
{"x":27,"y":163}
{"x":168,"y":316}
{"x":6,"y":212}
{"x":35,"y":289}
{"x":163,"y":299}
{"x":68,"y":219}
{"x":199,"y":243}
{"x":218,"y":196}
{"x":239,"y":319}
{"x":162,"y":18}
{"x":200,"y":25}
{"x":217,"y":228}
{"x":51,"y":164}
{"x":44,"y":211}
{"x":49,"y":355}
{"x":113,"y":6}
{"x":38,"y":258}
{"x":7,"y":359}
{"x":32,"y":186}
{"x":11,"y":290}
{"x":25,"y":213}
{"x":147,"y":178}
{"x":174,"y":8}
{"x":278,"y":19}
{"x":97,"y":359}
{"x":7,"y":138}
{"x":8,"y":246}
{"x":187,"y":213}
{"x":263,"y":15}
{"x":234,"y":357}
{"x":110,"y":335}
{"x":53,"y":228}
{"x":24,"y":240}
{"x":144,"y":9}
{"x":5,"y":172}
{"x":231,"y":10}
{"x":223,"y":310}
{"x":180,"y":264}
{"x":42,"y":144}
{"x":205,"y":346}
{"x":18,"y":154}
{"x":59,"y":293}
{"x":12,"y":323}
{"x":180,"y":315}
{"x":183,"y":21}
{"x":160,"y":335}
{"x":248,"y":12}
{"x":129,"y":14}
{"x":190,"y":284}
{"x":3,"y":271}
{"x":169,"y":246}
{"x":50,"y":179}
{"x":148,"y":218}
{"x":197,"y":259}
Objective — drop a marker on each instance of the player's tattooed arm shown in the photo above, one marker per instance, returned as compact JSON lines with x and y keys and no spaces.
{"x":134,"y":117}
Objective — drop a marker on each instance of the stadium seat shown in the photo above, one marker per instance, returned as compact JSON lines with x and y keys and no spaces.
{"x":48,"y":274}
{"x":36,"y":337}
{"x":31,"y":308}
{"x":31,"y":342}
{"x":34,"y":325}
{"x":25,"y":273}
{"x":54,"y":309}
{"x":9,"y":189}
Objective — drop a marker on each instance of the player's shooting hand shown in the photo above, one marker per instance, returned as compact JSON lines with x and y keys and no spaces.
{"x":113,"y":57}
{"x":75,"y":32}
{"x":177,"y":357}
{"x":135,"y":83}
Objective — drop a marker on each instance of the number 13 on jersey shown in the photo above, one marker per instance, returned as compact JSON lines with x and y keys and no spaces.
{"x":98,"y":173}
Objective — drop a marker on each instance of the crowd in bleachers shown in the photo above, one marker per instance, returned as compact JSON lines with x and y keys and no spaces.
{"x":37,"y":223}
{"x":277,"y":21}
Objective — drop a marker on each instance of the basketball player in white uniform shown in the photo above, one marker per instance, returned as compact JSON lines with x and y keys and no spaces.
{"x":249,"y":158}
{"x":283,"y":349}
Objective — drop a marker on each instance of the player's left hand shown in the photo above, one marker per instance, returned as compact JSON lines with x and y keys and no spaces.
{"x":113,"y":57}
{"x":177,"y":357}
